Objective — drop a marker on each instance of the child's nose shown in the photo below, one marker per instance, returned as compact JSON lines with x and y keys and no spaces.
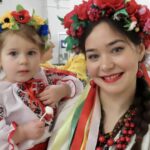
{"x":23,"y":59}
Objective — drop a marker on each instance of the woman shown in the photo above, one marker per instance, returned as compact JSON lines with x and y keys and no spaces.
{"x":114,"y":111}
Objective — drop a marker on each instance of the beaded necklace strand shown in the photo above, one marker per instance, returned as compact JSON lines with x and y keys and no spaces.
{"x":125,"y":125}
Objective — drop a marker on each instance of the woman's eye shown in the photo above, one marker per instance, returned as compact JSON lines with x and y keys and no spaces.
{"x":93,"y":57}
{"x":117,"y":49}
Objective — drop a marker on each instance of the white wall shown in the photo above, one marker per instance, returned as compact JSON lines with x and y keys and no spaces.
{"x":145,"y":2}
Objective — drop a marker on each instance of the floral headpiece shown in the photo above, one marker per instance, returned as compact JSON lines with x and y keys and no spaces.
{"x":135,"y":17}
{"x":12,"y":20}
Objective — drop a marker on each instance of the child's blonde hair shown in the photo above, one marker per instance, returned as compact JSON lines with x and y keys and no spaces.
{"x":26,"y":32}
{"x":29,"y":26}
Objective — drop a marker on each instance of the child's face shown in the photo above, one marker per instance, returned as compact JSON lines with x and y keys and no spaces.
{"x":20,"y":59}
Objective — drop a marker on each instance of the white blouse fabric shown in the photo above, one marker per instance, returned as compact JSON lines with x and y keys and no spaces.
{"x":14,"y":111}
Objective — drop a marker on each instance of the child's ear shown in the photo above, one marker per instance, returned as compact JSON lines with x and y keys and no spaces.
{"x":141,"y":51}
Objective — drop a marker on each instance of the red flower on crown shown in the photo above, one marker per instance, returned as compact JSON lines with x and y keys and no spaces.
{"x":81,"y":10}
{"x":132,"y":8}
{"x":147,"y":26}
{"x":143,"y":15}
{"x":22,"y":16}
{"x":114,"y":4}
{"x":135,"y":17}
{"x":68,"y":19}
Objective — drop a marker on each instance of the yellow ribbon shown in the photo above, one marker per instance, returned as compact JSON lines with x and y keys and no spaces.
{"x":62,"y":136}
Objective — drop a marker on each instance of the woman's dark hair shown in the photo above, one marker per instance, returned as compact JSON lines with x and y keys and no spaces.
{"x":118,"y":26}
{"x":142,"y":119}
{"x":142,"y":96}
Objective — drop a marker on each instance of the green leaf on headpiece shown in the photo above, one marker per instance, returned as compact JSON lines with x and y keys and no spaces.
{"x":71,"y":42}
{"x":32,"y":22}
{"x":15,"y":26}
{"x":76,"y":26}
{"x":61,"y":19}
{"x":75,"y":18}
{"x":77,"y":23}
{"x":33,"y":12}
{"x":83,"y":23}
{"x":46,"y":21}
{"x":120,"y":12}
{"x":127,"y":25}
{"x":103,"y":12}
{"x":19,"y":7}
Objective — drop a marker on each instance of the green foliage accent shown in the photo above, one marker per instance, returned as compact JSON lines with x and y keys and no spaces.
{"x":75,"y":18}
{"x":15,"y":27}
{"x":46,"y":21}
{"x":71,"y":42}
{"x":19,"y":7}
{"x":121,"y":11}
{"x":77,"y":23}
{"x":33,"y":12}
{"x":61,"y":19}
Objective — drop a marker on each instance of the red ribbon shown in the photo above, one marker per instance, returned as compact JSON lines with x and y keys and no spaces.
{"x":29,"y":87}
{"x":86,"y":111}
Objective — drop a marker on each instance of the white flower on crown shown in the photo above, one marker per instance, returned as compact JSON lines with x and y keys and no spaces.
{"x":132,"y":25}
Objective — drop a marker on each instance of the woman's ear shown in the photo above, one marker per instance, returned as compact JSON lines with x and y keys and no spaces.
{"x":141,"y":51}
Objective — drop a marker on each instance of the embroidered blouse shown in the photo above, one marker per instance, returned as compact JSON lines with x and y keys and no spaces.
{"x":19,"y":105}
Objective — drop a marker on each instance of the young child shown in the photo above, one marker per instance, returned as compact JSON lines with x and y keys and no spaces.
{"x":25,"y":89}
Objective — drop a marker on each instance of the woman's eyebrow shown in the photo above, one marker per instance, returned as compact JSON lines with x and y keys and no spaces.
{"x":90,"y":50}
{"x":114,"y":42}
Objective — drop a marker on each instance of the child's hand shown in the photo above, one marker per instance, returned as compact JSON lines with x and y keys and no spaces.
{"x":32,"y":130}
{"x":54,"y":93}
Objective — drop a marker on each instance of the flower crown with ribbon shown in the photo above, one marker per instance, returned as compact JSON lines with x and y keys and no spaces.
{"x":136,"y":18}
{"x":12,"y":20}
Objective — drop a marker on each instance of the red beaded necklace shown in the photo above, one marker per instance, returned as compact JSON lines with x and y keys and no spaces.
{"x":125,"y":125}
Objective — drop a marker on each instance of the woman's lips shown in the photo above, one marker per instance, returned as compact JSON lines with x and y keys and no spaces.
{"x":112,"y":78}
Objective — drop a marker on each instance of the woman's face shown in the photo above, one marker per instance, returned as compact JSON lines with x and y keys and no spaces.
{"x":112,"y":59}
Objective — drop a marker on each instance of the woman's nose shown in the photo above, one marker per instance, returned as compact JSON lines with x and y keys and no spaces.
{"x":106,"y":64}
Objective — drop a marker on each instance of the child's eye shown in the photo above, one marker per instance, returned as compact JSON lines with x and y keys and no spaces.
{"x":31,"y":53}
{"x":13,"y":53}
{"x":117,"y":49}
